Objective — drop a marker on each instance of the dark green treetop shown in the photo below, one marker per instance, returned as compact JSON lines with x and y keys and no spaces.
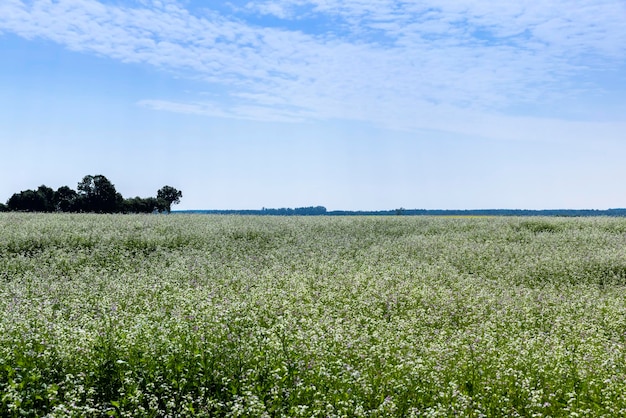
{"x":169,"y":195}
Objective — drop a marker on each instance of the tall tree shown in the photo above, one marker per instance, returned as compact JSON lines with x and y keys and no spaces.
{"x":65,"y":199}
{"x":98,"y":194}
{"x":169,"y":195}
{"x":47,"y":195}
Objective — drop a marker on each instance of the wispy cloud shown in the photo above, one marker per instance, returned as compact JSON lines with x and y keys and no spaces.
{"x":255,"y":112}
{"x":397,"y":63}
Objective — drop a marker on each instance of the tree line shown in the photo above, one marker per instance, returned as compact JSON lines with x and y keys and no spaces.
{"x":93,"y":194}
{"x":321,"y":210}
{"x":303,"y":211}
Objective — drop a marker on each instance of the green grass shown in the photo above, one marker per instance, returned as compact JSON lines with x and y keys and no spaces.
{"x":194,"y":315}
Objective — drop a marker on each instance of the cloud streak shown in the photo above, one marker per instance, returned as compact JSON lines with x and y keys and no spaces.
{"x":395,"y":63}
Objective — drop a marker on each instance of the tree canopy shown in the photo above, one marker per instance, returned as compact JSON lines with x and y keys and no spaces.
{"x":95,"y":193}
{"x":169,"y":195}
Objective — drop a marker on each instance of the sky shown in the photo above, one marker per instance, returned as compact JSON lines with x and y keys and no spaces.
{"x":347,"y":104}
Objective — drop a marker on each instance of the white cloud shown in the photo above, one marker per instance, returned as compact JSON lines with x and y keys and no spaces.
{"x":387,"y":62}
{"x":214,"y":109}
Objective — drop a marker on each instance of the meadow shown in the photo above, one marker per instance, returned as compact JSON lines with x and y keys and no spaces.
{"x":227,"y":316}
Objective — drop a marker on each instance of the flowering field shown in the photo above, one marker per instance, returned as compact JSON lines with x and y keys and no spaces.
{"x":193,"y":315}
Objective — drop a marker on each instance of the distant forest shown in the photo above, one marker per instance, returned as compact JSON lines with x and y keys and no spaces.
{"x":94,"y":194}
{"x":321,"y":210}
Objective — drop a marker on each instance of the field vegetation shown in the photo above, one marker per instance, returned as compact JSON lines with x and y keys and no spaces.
{"x":226,"y":316}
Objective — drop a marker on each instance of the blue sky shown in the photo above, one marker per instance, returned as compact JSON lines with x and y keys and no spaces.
{"x":349,"y":104}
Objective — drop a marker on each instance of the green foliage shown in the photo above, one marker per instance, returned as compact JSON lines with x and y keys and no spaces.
{"x":187,"y":315}
{"x":142,"y":205}
{"x":66,"y":199}
{"x":95,"y":194}
{"x":98,"y":194}
{"x":32,"y":200}
{"x":168,"y":195}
